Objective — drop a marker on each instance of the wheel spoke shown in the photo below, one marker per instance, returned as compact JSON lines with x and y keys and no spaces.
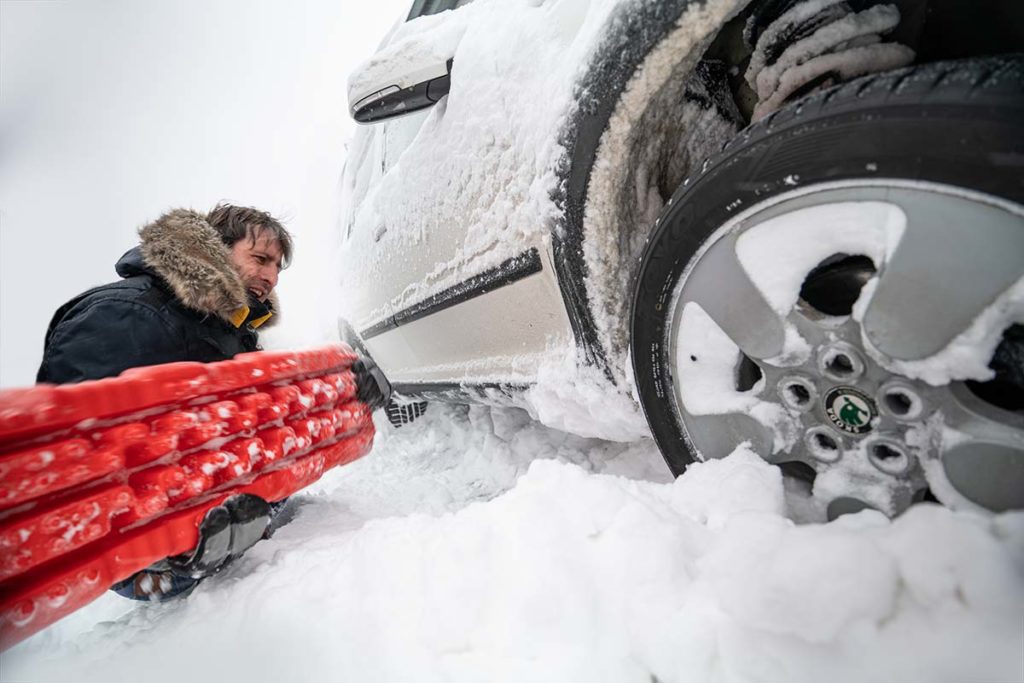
{"x":724,"y":290}
{"x":718,"y":435}
{"x":718,"y":415}
{"x":984,"y":460}
{"x":851,"y":486}
{"x":955,"y":258}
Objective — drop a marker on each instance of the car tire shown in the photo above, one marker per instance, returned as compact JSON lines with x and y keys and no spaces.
{"x":950,"y":124}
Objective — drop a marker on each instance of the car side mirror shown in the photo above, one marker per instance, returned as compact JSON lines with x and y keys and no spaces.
{"x":403,"y":92}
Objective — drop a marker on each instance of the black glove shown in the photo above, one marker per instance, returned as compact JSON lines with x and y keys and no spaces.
{"x":226,"y":532}
{"x":372,"y":388}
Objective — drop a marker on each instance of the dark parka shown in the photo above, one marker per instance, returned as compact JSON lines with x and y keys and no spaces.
{"x":180,"y":299}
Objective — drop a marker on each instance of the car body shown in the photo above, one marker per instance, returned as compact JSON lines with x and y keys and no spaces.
{"x":434,"y":247}
{"x":503,"y":219}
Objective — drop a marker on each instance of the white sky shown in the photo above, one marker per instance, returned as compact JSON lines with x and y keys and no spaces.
{"x":113,"y":111}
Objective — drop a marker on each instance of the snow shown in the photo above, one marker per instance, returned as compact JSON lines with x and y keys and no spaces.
{"x":79,"y":523}
{"x":848,"y":64}
{"x":856,"y":476}
{"x":431,"y":40}
{"x":779,"y":29}
{"x":935,"y":431}
{"x":706,"y":366}
{"x":874,"y":20}
{"x":779,"y":252}
{"x":463,"y":187}
{"x":575,"y":397}
{"x":475,"y":544}
{"x":847,"y":45}
{"x":968,"y":354}
{"x":655,"y":137}
{"x":501,"y":203}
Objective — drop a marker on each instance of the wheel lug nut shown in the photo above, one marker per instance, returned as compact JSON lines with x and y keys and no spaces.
{"x":841,"y":362}
{"x":822,"y":444}
{"x":900,"y":401}
{"x":888,"y":455}
{"x":797,"y":392}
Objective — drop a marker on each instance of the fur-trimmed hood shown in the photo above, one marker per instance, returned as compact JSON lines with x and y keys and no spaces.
{"x":188,"y":255}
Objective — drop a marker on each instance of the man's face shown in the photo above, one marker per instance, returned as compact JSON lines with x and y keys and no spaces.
{"x":258,"y":262}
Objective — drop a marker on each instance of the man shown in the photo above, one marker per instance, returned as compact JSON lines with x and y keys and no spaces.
{"x":195,"y":289}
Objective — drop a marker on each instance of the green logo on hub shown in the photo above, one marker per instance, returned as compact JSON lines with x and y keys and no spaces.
{"x":850,"y":410}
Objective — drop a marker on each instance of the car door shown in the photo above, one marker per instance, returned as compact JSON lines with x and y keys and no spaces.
{"x":444,"y":282}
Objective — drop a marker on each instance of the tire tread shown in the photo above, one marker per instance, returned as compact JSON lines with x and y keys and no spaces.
{"x":998,"y":78}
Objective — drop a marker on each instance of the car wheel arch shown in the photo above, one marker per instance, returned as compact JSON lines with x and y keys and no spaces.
{"x":669,"y":36}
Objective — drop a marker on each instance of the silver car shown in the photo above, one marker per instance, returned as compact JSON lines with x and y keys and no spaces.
{"x":792,"y":223}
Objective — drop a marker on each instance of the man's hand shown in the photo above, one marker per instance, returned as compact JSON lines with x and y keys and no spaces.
{"x":373,"y":388}
{"x":226,"y":532}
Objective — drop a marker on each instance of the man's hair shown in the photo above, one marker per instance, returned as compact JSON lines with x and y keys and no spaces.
{"x":236,"y":222}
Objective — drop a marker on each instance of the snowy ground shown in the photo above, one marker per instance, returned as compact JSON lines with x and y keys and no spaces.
{"x":477,"y":545}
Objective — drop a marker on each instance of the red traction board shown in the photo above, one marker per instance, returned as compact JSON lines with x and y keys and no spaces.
{"x":101,"y":479}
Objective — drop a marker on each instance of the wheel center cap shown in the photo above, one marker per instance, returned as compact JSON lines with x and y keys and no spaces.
{"x":850,"y":410}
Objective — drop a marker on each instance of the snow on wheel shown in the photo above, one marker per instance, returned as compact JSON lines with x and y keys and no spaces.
{"x":842,"y":288}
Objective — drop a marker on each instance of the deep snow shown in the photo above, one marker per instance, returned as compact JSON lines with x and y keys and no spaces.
{"x":475,"y":544}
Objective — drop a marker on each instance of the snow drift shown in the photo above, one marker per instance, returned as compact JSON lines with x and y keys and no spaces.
{"x":569,"y":573}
